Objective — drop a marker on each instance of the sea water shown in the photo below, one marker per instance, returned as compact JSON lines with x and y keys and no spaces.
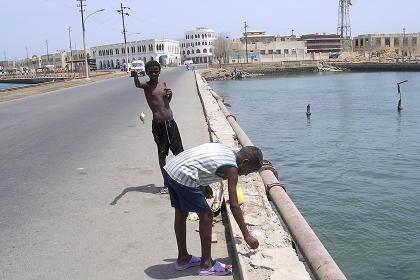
{"x":352,"y":168}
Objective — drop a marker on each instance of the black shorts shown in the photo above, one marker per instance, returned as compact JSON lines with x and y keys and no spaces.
{"x":166,"y":135}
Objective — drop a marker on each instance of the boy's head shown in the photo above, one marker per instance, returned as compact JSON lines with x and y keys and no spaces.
{"x":249,"y":160}
{"x":152,"y":69}
{"x":151,"y":65}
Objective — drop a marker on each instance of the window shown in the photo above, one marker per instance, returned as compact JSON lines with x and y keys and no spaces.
{"x":356,"y":43}
{"x":378,"y":42}
{"x":361,"y":42}
{"x":414,"y":42}
{"x":278,"y":51}
{"x":197,"y":51}
{"x":262,"y":51}
{"x":293,"y":51}
{"x":286,"y":51}
{"x":387,"y":42}
{"x":192,"y":51}
{"x":396,"y":42}
{"x":270,"y":51}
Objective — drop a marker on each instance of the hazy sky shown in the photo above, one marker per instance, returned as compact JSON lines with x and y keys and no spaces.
{"x":31,"y":22}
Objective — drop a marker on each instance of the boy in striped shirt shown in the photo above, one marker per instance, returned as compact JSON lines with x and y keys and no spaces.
{"x":188,"y":176}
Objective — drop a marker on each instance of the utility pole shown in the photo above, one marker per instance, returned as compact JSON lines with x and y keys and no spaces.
{"x":27,"y":57}
{"x":246,"y":41}
{"x":48,"y":54}
{"x":81,"y":5}
{"x":403,"y":44}
{"x":123,"y":13}
{"x":71,"y":51}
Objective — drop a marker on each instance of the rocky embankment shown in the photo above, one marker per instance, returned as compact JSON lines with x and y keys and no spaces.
{"x":240,"y":71}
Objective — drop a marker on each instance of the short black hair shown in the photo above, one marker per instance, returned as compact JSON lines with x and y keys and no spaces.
{"x":253,"y":154}
{"x":150,"y":64}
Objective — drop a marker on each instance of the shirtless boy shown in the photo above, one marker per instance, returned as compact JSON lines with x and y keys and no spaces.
{"x":164,"y":128}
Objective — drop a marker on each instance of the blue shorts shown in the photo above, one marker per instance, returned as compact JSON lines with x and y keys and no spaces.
{"x":186,"y":198}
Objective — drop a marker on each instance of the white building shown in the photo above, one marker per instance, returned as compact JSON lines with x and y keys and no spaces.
{"x":197,"y":45}
{"x":111,"y":56}
{"x":262,"y":47}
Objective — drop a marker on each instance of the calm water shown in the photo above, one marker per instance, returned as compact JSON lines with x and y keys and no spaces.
{"x":353,"y":169}
{"x":7,"y":85}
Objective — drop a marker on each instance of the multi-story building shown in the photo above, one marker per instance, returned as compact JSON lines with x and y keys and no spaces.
{"x":112,"y":56}
{"x":402,"y":44}
{"x":197,"y":45}
{"x":263,"y":47}
{"x":323,"y":43}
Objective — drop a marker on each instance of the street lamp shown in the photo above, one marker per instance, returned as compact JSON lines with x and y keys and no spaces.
{"x":84,"y":38}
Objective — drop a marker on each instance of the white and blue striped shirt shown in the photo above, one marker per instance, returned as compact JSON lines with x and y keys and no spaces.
{"x":198,"y":166}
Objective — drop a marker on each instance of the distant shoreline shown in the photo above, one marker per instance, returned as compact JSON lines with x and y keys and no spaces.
{"x":258,"y":69}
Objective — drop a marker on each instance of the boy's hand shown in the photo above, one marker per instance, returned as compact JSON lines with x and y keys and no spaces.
{"x":168,"y":93}
{"x":252,"y":241}
{"x":134,"y":73}
{"x":208,"y":192}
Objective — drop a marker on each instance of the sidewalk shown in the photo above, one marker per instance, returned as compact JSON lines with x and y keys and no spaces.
{"x":159,"y":239}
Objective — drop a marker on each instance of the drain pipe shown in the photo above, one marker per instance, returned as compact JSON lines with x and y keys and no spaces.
{"x":317,"y":257}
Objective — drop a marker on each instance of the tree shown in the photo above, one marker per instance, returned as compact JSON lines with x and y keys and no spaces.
{"x":221,"y":48}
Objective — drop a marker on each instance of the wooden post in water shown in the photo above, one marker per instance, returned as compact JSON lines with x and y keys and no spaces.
{"x":399,"y":107}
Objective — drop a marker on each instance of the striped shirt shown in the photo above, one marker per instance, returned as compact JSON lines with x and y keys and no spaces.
{"x":198,"y":166}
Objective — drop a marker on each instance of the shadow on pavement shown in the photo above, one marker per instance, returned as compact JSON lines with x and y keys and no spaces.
{"x":149,"y":188}
{"x":167,"y":271}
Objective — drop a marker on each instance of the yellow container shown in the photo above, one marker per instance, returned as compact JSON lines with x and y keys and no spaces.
{"x":240,"y":194}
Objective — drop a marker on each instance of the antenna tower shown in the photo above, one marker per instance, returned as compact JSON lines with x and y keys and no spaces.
{"x":343,"y":28}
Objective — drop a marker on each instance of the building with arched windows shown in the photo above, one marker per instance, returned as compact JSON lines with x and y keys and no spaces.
{"x":197,"y":45}
{"x":113,"y":56}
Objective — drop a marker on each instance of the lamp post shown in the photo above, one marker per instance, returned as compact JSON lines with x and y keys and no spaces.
{"x":84,"y":36}
{"x":71,"y":51}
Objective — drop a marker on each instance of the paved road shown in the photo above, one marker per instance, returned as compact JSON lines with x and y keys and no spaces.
{"x":106,"y":221}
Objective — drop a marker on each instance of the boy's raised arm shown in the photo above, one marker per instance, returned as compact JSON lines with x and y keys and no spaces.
{"x":232,"y":175}
{"x":136,"y":79}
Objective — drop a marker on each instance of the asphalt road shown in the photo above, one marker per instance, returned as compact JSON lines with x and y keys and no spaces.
{"x":79,"y":179}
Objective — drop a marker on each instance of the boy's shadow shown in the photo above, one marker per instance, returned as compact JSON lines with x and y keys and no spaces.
{"x":149,"y":188}
{"x":167,"y":271}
